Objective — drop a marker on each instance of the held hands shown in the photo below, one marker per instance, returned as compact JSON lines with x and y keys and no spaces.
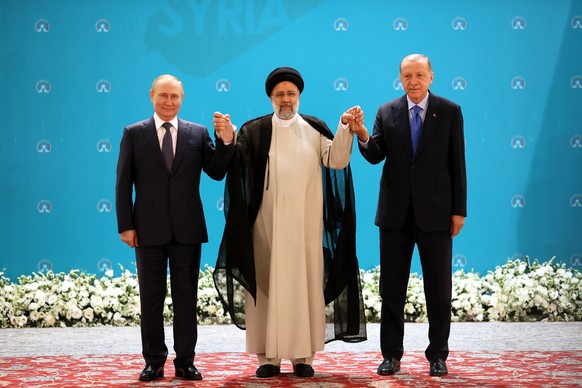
{"x":354,"y":117}
{"x":223,"y":127}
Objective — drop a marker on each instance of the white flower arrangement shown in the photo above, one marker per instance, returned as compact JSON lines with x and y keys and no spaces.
{"x":516,"y":291}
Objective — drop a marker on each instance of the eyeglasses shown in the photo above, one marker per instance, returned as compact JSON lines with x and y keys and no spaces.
{"x":281,"y":95}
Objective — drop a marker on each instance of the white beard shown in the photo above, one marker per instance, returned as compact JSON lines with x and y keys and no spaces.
{"x":285,"y":115}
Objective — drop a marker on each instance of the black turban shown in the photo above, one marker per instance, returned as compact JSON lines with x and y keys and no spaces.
{"x":281,"y":74}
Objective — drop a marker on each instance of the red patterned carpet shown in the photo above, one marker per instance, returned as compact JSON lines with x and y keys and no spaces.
{"x":332,"y":369}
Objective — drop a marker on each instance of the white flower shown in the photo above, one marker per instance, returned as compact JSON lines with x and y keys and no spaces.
{"x":40,"y":296}
{"x":49,"y":320}
{"x":34,"y":315}
{"x":66,"y":286}
{"x":88,"y":314}
{"x":515,"y":291}
{"x":96,"y":301}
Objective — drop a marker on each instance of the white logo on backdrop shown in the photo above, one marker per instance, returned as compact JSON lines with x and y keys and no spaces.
{"x":340,"y":84}
{"x":517,"y":201}
{"x":220,"y":204}
{"x":102,"y":25}
{"x":517,"y":142}
{"x":518,"y":83}
{"x":42,"y":26}
{"x":459,"y":24}
{"x":459,"y":261}
{"x":400,"y":24}
{"x":44,"y":206}
{"x":459,"y":83}
{"x":103,"y":86}
{"x":576,"y":200}
{"x":340,"y":24}
{"x":397,"y":84}
{"x":44,"y":266}
{"x":518,"y":23}
{"x":103,"y":145}
{"x":104,"y":206}
{"x":43,"y":86}
{"x":104,"y":265}
{"x":43,"y":147}
{"x":222,"y":85}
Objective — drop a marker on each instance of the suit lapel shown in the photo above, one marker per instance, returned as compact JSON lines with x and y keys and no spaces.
{"x":402,"y":122}
{"x":181,"y":143}
{"x":430,"y":123}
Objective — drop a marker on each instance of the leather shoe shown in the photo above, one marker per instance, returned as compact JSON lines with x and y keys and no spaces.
{"x":189,"y":373}
{"x":303,"y":370}
{"x":389,"y":367}
{"x":268,"y":370}
{"x":438,"y":368}
{"x":151,"y":372}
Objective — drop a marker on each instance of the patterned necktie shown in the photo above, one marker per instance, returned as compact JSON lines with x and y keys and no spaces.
{"x":167,"y":148}
{"x":415,"y":125}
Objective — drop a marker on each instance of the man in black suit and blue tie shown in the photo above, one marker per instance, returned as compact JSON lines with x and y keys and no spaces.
{"x":161,"y":159}
{"x":422,"y":202}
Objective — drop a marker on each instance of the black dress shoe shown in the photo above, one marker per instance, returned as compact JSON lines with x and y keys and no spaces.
{"x":389,"y":367}
{"x":189,"y":373}
{"x":303,"y":370}
{"x":438,"y":368}
{"x":268,"y":370}
{"x":151,"y":372}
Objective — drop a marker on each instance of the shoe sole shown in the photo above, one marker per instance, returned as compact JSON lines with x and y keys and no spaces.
{"x":304,"y":374}
{"x":159,"y":376}
{"x":267,"y":376}
{"x":261,"y":375}
{"x":189,"y":378}
{"x":389,"y":373}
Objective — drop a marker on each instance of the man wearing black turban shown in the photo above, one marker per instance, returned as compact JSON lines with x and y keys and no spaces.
{"x":289,"y":185}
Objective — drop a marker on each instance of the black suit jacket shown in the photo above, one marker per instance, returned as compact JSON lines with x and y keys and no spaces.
{"x":434,"y":178}
{"x":167,"y":203}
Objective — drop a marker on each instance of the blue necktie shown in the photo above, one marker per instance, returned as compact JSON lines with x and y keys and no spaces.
{"x":167,"y":148}
{"x":415,"y":125}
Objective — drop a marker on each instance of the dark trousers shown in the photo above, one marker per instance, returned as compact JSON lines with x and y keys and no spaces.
{"x":152,"y":269}
{"x":435,"y":250}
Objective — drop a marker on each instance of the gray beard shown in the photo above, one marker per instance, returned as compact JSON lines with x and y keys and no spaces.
{"x":285,"y":115}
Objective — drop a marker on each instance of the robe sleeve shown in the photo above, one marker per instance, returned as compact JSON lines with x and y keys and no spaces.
{"x":336,"y":153}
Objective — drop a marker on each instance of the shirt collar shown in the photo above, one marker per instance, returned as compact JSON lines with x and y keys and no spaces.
{"x":285,"y":123}
{"x":423,"y":103}
{"x":159,"y":121}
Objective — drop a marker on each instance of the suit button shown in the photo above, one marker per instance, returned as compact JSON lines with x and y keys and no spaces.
{"x":412,"y":166}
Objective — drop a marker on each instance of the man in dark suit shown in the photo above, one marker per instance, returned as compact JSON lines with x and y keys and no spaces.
{"x":162,"y":159}
{"x":422,"y":202}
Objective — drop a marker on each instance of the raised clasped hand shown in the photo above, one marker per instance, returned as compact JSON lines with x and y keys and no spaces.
{"x":223,"y":127}
{"x":354,"y":117}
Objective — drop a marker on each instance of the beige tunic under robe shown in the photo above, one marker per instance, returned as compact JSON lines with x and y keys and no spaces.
{"x":288,"y":321}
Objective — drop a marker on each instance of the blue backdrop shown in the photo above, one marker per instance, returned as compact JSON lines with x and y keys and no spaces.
{"x":74,"y":73}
